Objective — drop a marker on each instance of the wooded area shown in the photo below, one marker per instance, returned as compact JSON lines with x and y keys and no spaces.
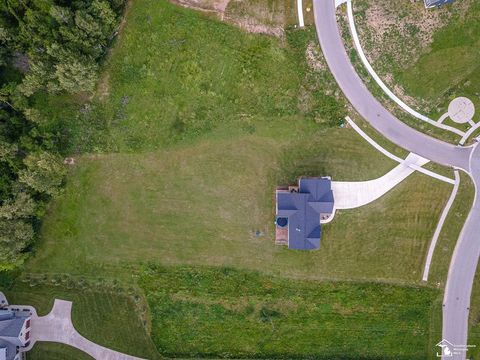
{"x":46,"y":47}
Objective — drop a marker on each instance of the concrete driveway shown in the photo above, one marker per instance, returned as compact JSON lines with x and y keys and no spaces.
{"x":57,"y":327}
{"x":353,"y":194}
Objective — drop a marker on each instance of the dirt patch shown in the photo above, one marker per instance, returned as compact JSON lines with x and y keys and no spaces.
{"x":381,"y":19}
{"x":212,"y":6}
{"x":103,"y":87}
{"x":251,"y":17}
{"x":314,"y":57}
{"x":254,"y":26}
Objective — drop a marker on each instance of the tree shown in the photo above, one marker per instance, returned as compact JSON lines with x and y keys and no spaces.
{"x":64,"y":45}
{"x":72,"y":75}
{"x":44,"y":173}
{"x":36,"y":79}
{"x":15,"y":236}
{"x":21,"y":207}
{"x":7,"y":152}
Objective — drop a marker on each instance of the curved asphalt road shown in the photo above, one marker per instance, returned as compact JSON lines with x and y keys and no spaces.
{"x":366,"y":104}
{"x":456,"y":300}
{"x":467,"y":250}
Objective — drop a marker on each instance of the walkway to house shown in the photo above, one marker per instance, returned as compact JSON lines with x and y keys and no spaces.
{"x":57,"y":327}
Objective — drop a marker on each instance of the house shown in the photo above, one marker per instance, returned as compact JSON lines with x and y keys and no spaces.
{"x":436,"y":3}
{"x":300,"y":211}
{"x":14,"y":332}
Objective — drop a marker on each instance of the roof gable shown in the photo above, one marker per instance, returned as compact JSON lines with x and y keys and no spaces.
{"x":322,"y":207}
{"x":12,"y":327}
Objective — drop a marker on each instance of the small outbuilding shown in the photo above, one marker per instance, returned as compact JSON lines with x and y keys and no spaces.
{"x":300,"y":210}
{"x":436,"y":3}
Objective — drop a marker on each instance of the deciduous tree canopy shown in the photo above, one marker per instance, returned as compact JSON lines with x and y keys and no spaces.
{"x":46,"y":46}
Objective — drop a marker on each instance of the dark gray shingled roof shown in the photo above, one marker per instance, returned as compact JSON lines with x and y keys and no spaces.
{"x":433,"y":3}
{"x":9,"y":349}
{"x":303,"y":209}
{"x":10,"y":327}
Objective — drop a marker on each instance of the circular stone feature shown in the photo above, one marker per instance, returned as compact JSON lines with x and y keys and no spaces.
{"x":461,"y":110}
{"x":282,"y":221}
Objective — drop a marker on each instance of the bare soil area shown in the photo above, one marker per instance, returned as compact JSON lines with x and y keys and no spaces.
{"x":261,"y":17}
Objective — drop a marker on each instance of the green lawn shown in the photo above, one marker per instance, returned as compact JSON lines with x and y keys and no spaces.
{"x":429,"y":74}
{"x":253,"y":115}
{"x":442,"y":257}
{"x":54,"y":351}
{"x":107,"y":317}
{"x":200,"y":312}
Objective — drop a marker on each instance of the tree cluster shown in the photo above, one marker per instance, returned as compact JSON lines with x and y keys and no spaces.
{"x":46,"y":46}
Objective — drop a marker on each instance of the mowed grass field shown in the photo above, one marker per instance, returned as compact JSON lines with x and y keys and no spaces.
{"x":451,"y":231}
{"x":447,"y":68}
{"x":213,"y":203}
{"x":193,"y":126}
